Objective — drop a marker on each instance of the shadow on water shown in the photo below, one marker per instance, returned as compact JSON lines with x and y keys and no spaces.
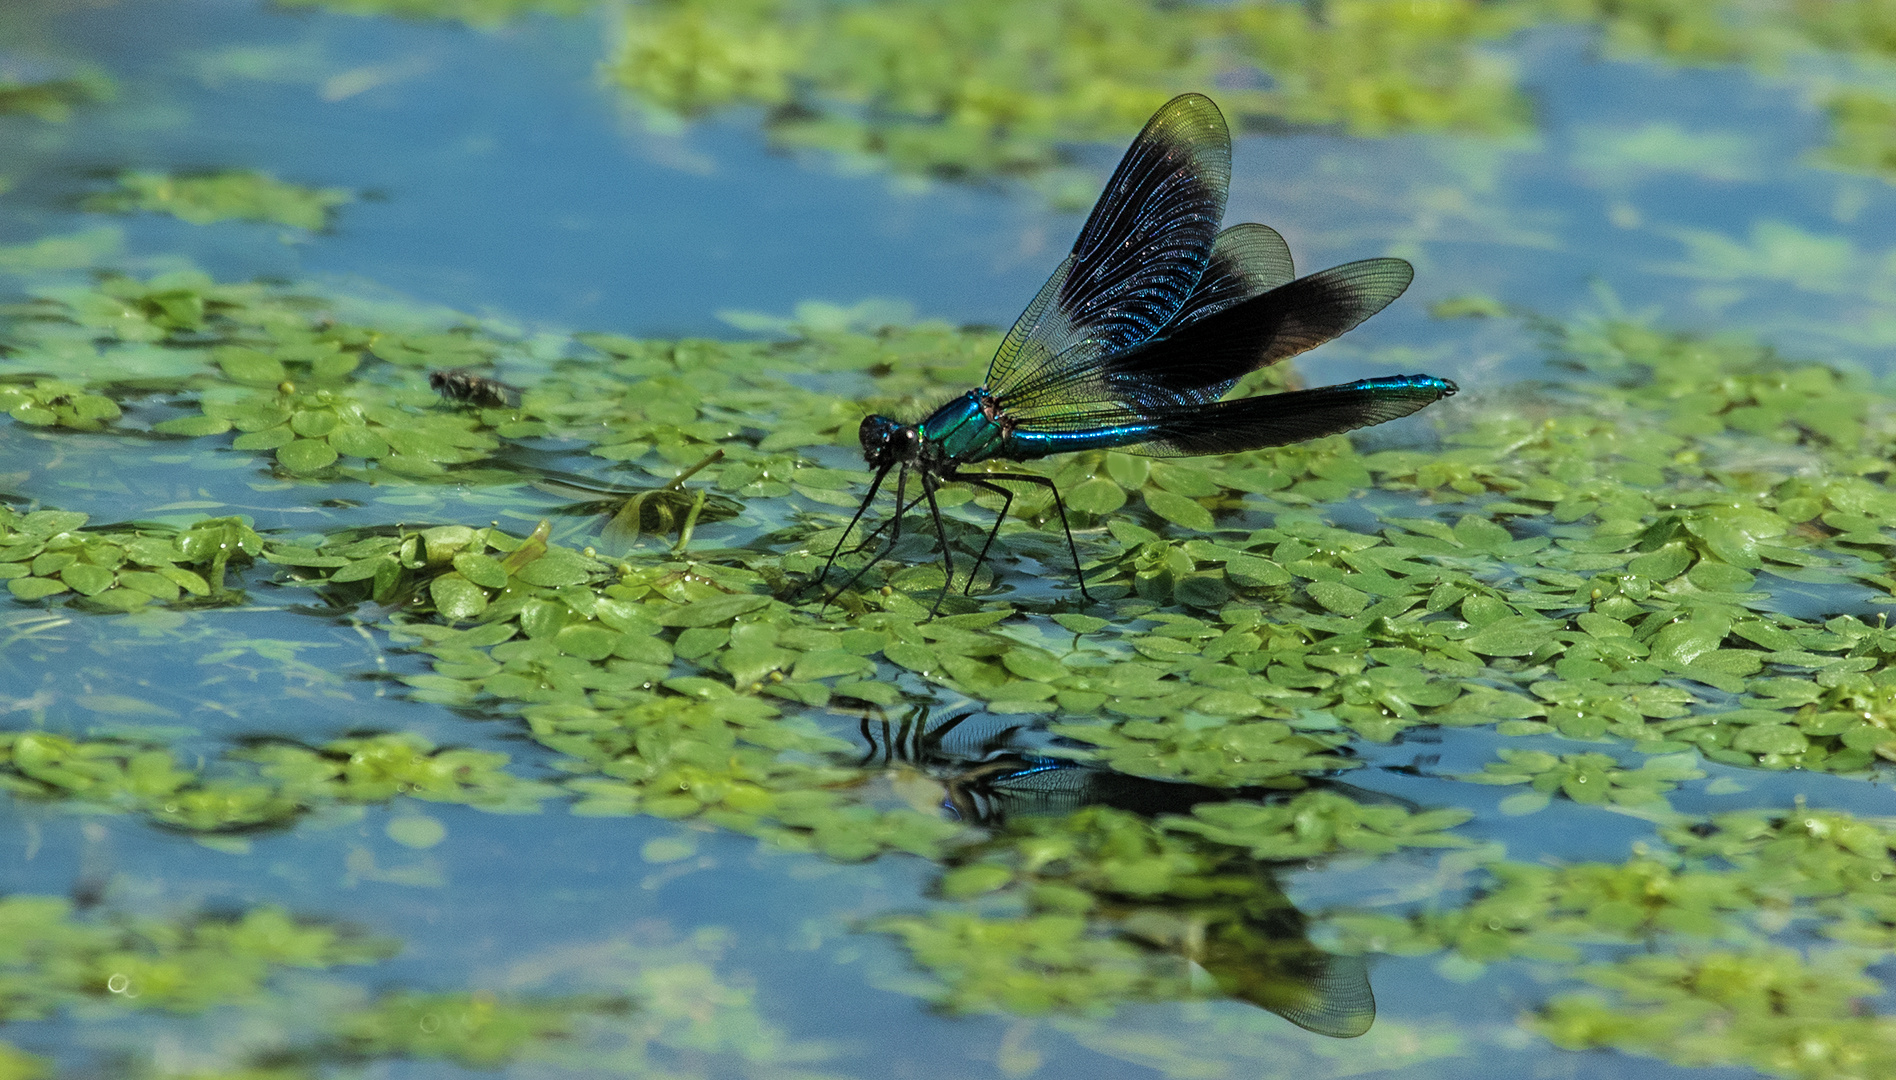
{"x":1238,"y":932}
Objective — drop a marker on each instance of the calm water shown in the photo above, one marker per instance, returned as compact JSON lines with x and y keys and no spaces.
{"x":504,"y":179}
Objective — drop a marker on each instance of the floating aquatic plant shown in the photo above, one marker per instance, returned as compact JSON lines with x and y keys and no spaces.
{"x":227,"y":196}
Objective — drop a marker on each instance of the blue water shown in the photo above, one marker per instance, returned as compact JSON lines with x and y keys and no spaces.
{"x":506,"y":179}
{"x":503,"y":179}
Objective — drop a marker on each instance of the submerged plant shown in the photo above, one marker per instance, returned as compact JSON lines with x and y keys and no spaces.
{"x":228,"y":196}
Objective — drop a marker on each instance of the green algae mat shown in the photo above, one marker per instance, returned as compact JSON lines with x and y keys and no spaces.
{"x":362,"y":720}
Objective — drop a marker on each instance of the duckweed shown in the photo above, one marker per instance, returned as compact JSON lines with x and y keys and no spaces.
{"x":1580,"y":573}
{"x":285,"y":781}
{"x":486,"y":14}
{"x":228,"y":196}
{"x":1002,"y":92}
{"x":1586,"y":778}
{"x":53,"y":100}
{"x":1774,"y":1010}
{"x":1672,"y":552}
{"x":1111,"y":900}
{"x":983,"y":89}
{"x":478,"y":1031}
{"x":59,"y":959}
{"x":62,"y":959}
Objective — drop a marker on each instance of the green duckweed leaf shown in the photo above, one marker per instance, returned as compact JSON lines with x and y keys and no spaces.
{"x":1096,"y":496}
{"x":251,"y":367}
{"x":587,"y":641}
{"x":484,"y":570}
{"x":86,"y":579}
{"x":192,"y":426}
{"x":457,"y":599}
{"x":35,"y":588}
{"x":712,"y":611}
{"x":305,"y":456}
{"x":206,"y":198}
{"x":1178,"y":510}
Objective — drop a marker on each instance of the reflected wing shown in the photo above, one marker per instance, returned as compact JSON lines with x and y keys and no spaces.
{"x":1246,"y":260}
{"x":1318,"y":992}
{"x":1338,"y":1001}
{"x":1143,"y":250}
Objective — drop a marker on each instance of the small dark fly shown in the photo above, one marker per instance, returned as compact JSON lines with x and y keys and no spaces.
{"x":463,"y":386}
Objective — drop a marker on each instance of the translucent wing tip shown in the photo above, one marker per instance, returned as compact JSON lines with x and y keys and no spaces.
{"x":1193,"y":109}
{"x":1257,"y":250}
{"x":1338,"y":299}
{"x":1337,"y":1000}
{"x":1192,"y":125}
{"x":1375,"y":281}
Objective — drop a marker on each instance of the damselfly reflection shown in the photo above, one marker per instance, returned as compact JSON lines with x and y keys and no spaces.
{"x":990,"y":768}
{"x":1212,"y":905}
{"x":1131,"y":344}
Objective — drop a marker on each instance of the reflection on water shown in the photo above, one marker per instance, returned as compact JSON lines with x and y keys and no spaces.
{"x":311,"y":678}
{"x":1237,"y":927}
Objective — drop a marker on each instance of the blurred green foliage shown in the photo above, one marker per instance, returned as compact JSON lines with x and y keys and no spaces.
{"x":962,"y":89}
{"x":225,"y":196}
{"x":54,"y":100}
{"x":485,"y":14}
{"x":982,"y":89}
{"x":56,"y":959}
{"x":658,"y":1005}
{"x":288,"y":780}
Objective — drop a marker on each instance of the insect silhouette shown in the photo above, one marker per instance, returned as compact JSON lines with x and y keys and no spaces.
{"x":1247,"y":936}
{"x":464,"y":387}
{"x":1131,"y":344}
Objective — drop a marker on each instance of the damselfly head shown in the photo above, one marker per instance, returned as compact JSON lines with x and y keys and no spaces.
{"x":885,"y":442}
